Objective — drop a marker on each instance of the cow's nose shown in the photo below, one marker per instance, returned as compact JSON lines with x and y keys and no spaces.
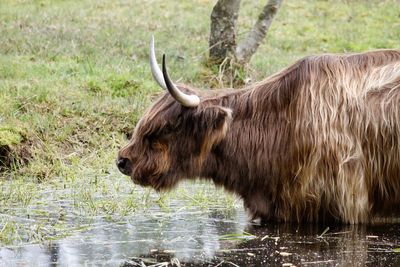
{"x":124,"y":165}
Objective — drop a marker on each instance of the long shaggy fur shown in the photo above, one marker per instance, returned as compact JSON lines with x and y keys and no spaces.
{"x":317,"y":141}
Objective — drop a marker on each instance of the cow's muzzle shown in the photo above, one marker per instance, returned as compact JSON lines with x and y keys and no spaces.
{"x":124,"y":165}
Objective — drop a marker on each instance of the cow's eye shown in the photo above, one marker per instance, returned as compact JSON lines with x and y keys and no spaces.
{"x":151,"y":143}
{"x":159,"y":146}
{"x":154,"y":144}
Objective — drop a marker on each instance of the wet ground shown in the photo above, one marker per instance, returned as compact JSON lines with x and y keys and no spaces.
{"x":211,"y":237}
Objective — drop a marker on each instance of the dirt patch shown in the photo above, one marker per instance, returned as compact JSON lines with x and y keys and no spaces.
{"x":4,"y":157}
{"x":14,"y":157}
{"x":14,"y":148}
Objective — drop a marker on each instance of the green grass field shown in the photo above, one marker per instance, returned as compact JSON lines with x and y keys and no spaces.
{"x":74,"y":80}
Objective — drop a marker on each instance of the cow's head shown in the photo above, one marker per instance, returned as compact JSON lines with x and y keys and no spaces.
{"x":174,"y":137}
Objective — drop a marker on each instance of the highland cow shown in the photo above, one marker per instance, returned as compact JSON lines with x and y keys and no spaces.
{"x":318,"y":141}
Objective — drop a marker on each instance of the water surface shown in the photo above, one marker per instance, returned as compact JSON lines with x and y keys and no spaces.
{"x":194,"y":236}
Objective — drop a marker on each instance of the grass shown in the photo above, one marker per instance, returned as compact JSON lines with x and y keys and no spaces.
{"x":237,"y":236}
{"x":74,"y":80}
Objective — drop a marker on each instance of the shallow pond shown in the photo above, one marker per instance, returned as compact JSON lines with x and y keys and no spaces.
{"x":196,"y":236}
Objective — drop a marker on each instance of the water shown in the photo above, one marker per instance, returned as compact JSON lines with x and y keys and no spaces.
{"x":188,"y":234}
{"x":209,"y":237}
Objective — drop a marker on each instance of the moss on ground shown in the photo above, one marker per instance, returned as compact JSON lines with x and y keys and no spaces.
{"x":10,"y":136}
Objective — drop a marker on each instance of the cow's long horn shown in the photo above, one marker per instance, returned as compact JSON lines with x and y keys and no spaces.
{"x":185,"y":100}
{"x":155,"y":69}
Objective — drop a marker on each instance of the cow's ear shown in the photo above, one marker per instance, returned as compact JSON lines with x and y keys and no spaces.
{"x":214,"y":122}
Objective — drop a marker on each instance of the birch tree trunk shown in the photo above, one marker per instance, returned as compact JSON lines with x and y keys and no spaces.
{"x":246,"y":49}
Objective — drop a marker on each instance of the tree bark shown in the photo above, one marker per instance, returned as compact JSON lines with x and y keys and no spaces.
{"x":248,"y":46}
{"x":222,"y":42}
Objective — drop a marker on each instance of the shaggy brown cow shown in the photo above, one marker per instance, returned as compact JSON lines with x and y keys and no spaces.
{"x":319,"y":140}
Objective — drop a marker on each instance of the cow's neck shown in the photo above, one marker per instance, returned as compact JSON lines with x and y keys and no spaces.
{"x":256,"y":134}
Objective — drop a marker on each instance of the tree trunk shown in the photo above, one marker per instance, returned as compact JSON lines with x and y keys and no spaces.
{"x":222,"y":40}
{"x":230,"y":58}
{"x":248,"y":46}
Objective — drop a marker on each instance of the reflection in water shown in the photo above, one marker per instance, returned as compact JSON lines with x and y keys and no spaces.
{"x":194,"y":238}
{"x":342,"y":245}
{"x":188,"y":235}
